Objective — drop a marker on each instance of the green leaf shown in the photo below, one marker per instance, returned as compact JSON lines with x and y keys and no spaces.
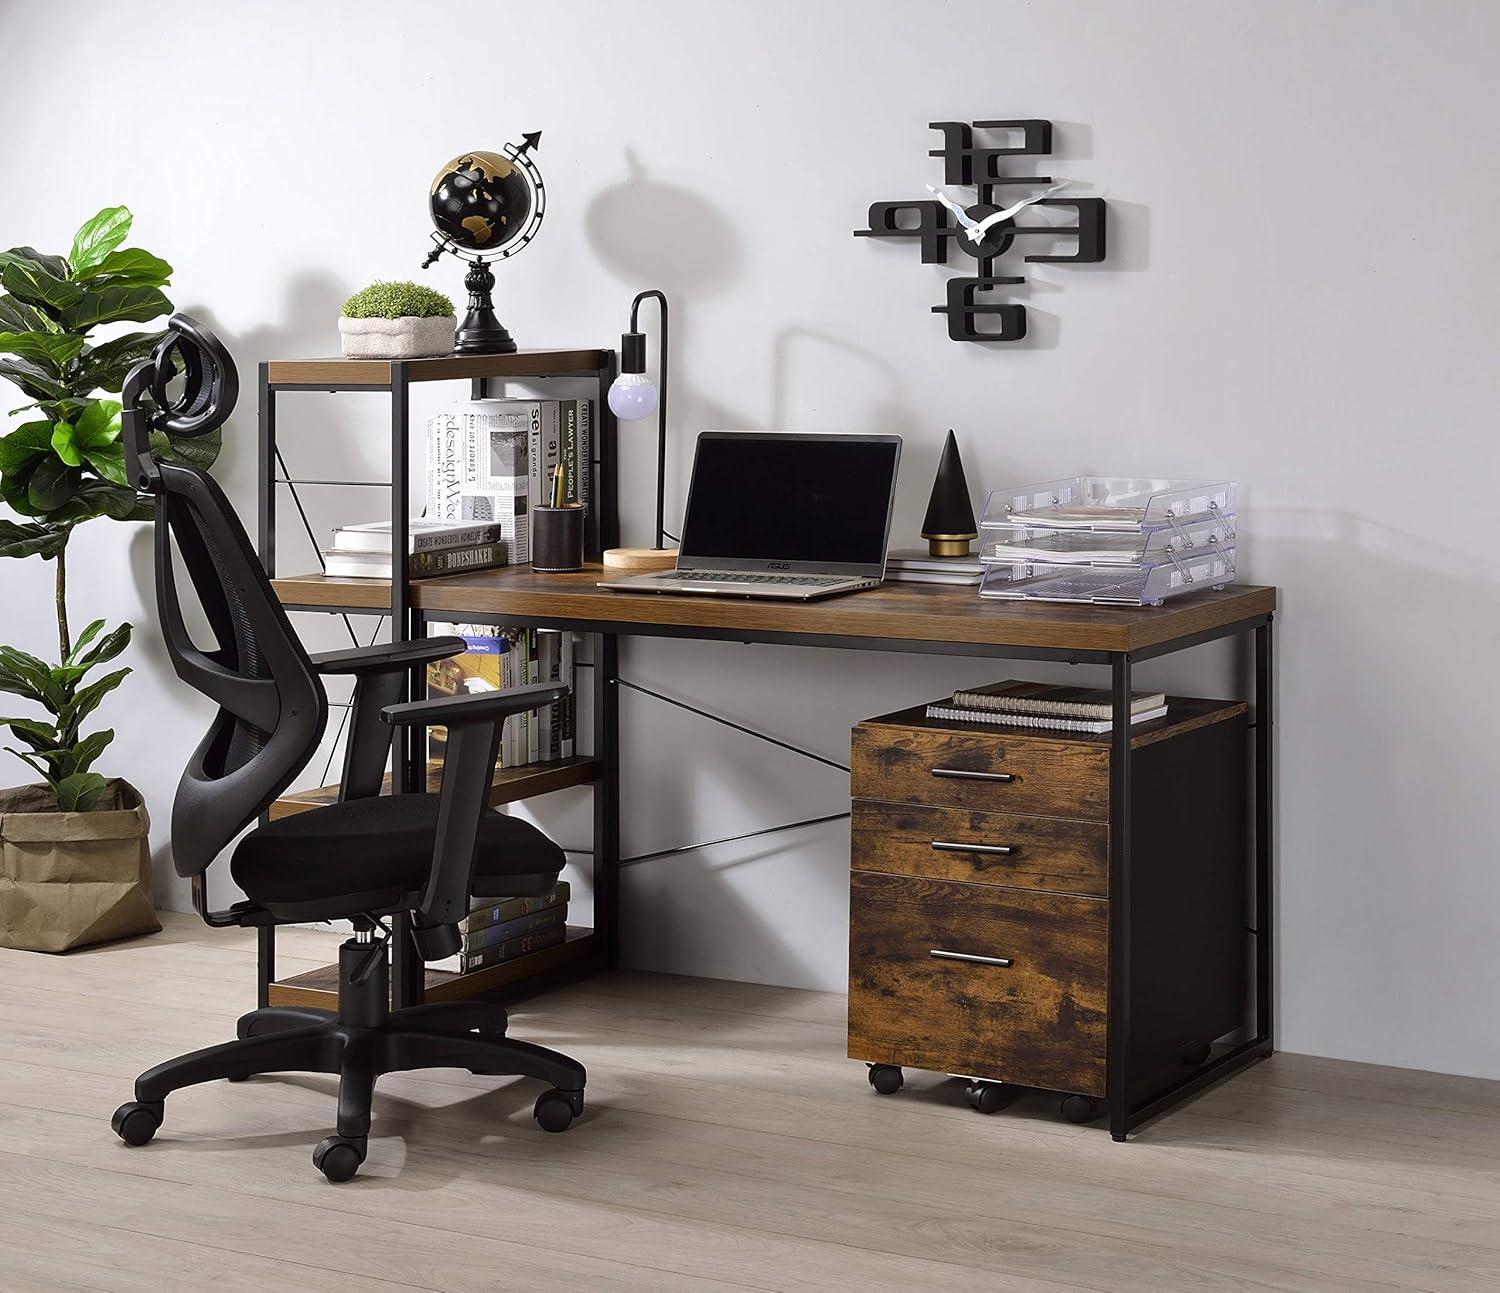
{"x":80,"y":792}
{"x":54,"y":265}
{"x":34,"y":540}
{"x":80,"y":757}
{"x":112,"y":304}
{"x":86,"y":700}
{"x":40,"y":736}
{"x":97,"y":237}
{"x":94,"y":498}
{"x":24,"y":443}
{"x":33,"y":379}
{"x":133,"y":265}
{"x":200,"y":451}
{"x":29,"y":281}
{"x":109,"y":462}
{"x":112,"y":644}
{"x":54,"y":349}
{"x":36,"y":762}
{"x":17,"y":316}
{"x":13,"y":491}
{"x":104,"y":368}
{"x":99,"y":424}
{"x":51,"y":485}
{"x":24,"y":675}
{"x":65,"y":444}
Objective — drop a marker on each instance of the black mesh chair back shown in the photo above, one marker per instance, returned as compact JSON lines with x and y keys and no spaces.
{"x":272,"y":708}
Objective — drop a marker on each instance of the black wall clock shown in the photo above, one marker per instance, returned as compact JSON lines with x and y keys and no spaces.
{"x":986,"y":229}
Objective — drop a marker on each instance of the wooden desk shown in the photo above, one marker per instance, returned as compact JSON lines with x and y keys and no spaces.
{"x":918,"y":618}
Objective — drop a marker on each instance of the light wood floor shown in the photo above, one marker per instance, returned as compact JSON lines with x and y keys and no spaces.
{"x":728,"y":1142}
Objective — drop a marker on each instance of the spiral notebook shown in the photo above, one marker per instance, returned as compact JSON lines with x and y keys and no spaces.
{"x":1048,"y":722}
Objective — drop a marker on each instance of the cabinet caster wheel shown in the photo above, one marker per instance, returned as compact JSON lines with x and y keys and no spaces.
{"x":885,"y":1078}
{"x":1194,"y":1053}
{"x":135,"y":1123}
{"x":339,"y":1157}
{"x":1079,"y":1109}
{"x":989,"y":1097}
{"x":555,"y":1110}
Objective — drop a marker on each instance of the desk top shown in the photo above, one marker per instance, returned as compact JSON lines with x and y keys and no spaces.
{"x":898,"y":612}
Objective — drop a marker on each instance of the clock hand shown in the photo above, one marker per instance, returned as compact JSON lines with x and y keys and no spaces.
{"x":976,"y":232}
{"x":964,"y":218}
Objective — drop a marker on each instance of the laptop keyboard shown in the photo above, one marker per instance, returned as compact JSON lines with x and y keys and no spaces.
{"x":745,"y":577}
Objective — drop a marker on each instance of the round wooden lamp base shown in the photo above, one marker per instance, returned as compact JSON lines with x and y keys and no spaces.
{"x":640,"y":560}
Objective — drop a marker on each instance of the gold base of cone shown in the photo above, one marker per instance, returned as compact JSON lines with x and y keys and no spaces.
{"x":640,"y":560}
{"x":949,"y":545}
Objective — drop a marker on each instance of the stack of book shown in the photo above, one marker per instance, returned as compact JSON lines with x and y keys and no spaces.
{"x":1043,"y":705}
{"x":497,"y":659}
{"x":919,"y":566}
{"x":498,"y":930}
{"x":433,"y":548}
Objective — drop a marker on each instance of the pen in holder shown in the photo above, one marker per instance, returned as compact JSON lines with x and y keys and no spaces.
{"x":557,"y":538}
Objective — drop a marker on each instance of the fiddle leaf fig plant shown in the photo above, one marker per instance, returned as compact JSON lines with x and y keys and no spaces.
{"x":62,"y":463}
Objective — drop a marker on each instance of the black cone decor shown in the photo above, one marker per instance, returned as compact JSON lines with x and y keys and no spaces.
{"x":949,"y":527}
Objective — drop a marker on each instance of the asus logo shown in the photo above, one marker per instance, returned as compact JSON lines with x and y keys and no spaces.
{"x":778,"y":565}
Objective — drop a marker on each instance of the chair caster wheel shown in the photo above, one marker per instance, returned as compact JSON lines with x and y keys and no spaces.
{"x":135,"y":1122}
{"x":1079,"y":1109}
{"x":339,"y":1157}
{"x":555,"y":1110}
{"x":1195,"y":1053}
{"x":885,"y":1078}
{"x":989,"y":1097}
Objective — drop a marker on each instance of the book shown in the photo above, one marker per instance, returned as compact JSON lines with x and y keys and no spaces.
{"x":499,"y":953}
{"x":488,"y":935}
{"x":491,"y":911}
{"x":423,"y":535}
{"x":478,"y":468}
{"x":922,"y":559}
{"x":577,"y":417}
{"x":545,"y":447}
{"x":953,"y":577}
{"x":419,"y":565}
{"x":1047,"y":722}
{"x":1051,"y":700}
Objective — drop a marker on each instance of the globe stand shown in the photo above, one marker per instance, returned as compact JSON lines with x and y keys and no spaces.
{"x":481,"y":333}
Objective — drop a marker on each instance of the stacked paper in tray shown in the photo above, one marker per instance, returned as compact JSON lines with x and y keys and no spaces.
{"x":1108,"y":539}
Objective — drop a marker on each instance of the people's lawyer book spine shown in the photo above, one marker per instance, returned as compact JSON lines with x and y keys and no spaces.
{"x":510,"y":908}
{"x":509,"y":950}
{"x":487,"y":936}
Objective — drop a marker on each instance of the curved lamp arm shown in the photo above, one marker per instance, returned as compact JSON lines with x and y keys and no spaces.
{"x":661,"y":407}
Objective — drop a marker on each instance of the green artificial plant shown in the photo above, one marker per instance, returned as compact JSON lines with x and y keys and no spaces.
{"x":396,"y":301}
{"x":64,"y":463}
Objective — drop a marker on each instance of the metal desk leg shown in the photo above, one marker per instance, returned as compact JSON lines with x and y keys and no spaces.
{"x":1265,"y":916}
{"x":265,"y":964}
{"x":1117,"y":1085}
{"x":265,"y":538}
{"x":607,"y":799}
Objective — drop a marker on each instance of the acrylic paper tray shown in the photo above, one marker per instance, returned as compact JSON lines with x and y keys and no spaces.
{"x":1104,"y":547}
{"x":1146,"y":583}
{"x":1118,"y":504}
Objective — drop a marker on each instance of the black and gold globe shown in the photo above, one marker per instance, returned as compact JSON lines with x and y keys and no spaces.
{"x":482,"y":202}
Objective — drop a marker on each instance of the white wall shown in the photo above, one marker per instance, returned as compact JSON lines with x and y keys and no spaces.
{"x":1300,"y":294}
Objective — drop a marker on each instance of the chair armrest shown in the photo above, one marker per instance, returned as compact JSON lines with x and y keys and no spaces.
{"x":476,"y":707}
{"x":386,"y":656}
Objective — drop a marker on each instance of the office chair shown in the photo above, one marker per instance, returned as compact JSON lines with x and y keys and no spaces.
{"x":365,"y":858}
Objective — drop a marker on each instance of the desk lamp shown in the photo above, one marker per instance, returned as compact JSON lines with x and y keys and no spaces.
{"x":633,"y":397}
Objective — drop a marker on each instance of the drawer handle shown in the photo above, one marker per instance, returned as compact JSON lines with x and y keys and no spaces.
{"x":996,"y":850}
{"x":942,"y":954}
{"x":963,"y":774}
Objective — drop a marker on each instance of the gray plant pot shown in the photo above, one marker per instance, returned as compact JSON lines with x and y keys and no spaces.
{"x":409,"y":337}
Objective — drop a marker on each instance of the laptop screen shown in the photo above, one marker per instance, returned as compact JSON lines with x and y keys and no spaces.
{"x":762,"y":500}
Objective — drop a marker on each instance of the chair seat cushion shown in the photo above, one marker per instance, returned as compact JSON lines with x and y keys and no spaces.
{"x":369,"y":854}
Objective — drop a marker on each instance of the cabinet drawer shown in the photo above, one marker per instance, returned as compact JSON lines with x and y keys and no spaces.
{"x":987,"y":848}
{"x":988,"y":772}
{"x":1032,"y":1012}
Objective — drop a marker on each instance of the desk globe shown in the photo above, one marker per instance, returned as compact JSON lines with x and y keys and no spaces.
{"x":485,"y":207}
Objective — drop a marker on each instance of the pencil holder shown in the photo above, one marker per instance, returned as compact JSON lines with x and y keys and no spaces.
{"x":557,"y":538}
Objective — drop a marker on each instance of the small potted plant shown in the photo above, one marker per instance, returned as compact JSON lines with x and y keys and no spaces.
{"x":397,"y":321}
{"x":76,"y":862}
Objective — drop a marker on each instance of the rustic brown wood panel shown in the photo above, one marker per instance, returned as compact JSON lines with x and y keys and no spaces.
{"x":377,"y":372}
{"x":509,"y":785}
{"x":1038,"y":1022}
{"x":1054,"y":778}
{"x":333,"y":592}
{"x":905,"y":612}
{"x":1053,"y":853}
{"x":320,"y":988}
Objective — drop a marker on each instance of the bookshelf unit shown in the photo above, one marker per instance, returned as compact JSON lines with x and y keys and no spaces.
{"x":584,"y":950}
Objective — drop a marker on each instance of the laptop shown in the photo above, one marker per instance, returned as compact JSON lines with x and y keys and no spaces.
{"x":786,"y":516}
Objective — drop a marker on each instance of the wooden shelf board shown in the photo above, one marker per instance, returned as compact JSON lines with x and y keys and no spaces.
{"x":336,"y":371}
{"x":509,"y":786}
{"x":320,"y":988}
{"x":332,"y":593}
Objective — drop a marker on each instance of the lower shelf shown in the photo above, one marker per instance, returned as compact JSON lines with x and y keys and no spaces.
{"x":320,"y":988}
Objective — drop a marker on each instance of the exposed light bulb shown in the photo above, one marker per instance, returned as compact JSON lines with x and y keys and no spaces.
{"x":632,"y":396}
